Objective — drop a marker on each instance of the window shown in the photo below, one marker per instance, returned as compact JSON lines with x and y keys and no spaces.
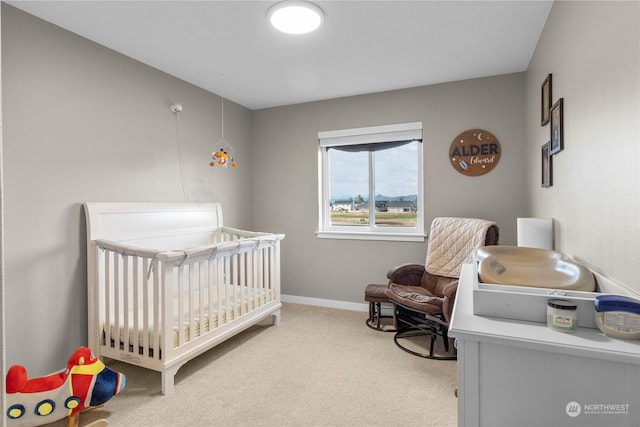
{"x":371,"y":183}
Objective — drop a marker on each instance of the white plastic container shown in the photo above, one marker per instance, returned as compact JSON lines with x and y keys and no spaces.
{"x":562,"y":315}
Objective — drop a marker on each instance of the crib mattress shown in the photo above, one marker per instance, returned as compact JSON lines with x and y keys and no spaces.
{"x":246,"y":300}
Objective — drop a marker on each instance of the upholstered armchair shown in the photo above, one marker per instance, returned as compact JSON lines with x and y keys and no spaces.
{"x":423,"y":295}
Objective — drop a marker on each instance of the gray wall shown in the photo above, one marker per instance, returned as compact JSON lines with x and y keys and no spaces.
{"x":83,"y":123}
{"x":285,"y":180}
{"x":593,"y":51}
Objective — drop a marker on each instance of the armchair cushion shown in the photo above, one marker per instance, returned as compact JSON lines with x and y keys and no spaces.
{"x":415,"y":297}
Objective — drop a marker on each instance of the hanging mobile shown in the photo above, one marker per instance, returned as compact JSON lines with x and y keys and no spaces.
{"x":222,"y":152}
{"x":222,"y":155}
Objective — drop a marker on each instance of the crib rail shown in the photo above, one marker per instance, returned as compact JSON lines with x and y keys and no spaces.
{"x":149,"y":304}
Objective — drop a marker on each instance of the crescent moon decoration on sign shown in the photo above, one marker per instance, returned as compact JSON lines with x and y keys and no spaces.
{"x":475,"y":152}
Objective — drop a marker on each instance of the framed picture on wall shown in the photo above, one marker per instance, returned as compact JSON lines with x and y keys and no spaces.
{"x":547,"y":169}
{"x":545,"y":101}
{"x":557,"y":128}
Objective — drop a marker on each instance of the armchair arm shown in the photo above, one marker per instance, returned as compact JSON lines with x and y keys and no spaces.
{"x":406,"y":274}
{"x":449,"y":292}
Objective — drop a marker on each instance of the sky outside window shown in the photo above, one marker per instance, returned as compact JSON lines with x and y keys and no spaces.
{"x":396,"y":170}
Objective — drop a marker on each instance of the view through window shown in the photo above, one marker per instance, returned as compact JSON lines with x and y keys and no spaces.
{"x":372,"y":183}
{"x":390,"y":202}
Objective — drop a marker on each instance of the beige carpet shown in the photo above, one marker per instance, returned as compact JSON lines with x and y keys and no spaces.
{"x":320,"y":367}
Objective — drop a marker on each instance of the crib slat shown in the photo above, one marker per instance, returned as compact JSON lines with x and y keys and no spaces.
{"x":116,"y":299}
{"x":125,"y":303}
{"x":219,"y":291}
{"x":264,"y":298}
{"x":145,"y":307}
{"x":107,"y":297}
{"x":192,"y":297}
{"x":227,"y":289}
{"x":267,"y":285}
{"x":256,"y":266}
{"x":269,"y":295}
{"x":276,"y":279}
{"x":233,"y":281}
{"x":275,"y":287}
{"x":254,"y":275}
{"x":271,"y":276}
{"x":242,"y":283}
{"x":106,"y":302}
{"x":157,"y":326}
{"x":249,"y":280}
{"x":260,"y":273}
{"x":180,"y":296}
{"x":202,"y":286}
{"x":222,"y":284}
{"x":134,"y":303}
{"x":211,"y":286}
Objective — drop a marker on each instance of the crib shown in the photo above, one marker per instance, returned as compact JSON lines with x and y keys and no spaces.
{"x":167,"y":282}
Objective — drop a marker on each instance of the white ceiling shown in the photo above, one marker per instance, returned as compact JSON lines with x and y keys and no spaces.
{"x":228,"y":47}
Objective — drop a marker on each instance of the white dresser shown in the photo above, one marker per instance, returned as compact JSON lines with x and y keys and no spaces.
{"x":519,"y":373}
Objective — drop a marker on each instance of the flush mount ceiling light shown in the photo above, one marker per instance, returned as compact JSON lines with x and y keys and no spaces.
{"x":295,"y":16}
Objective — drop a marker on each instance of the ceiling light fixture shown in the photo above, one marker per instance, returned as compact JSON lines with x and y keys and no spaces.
{"x":295,"y":16}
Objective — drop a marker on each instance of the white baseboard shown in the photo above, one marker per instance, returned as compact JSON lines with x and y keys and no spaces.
{"x":319,"y":302}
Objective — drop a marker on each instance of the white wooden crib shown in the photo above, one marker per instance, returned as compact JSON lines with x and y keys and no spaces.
{"x":167,"y":282}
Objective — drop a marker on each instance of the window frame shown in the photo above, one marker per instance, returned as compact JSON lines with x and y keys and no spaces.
{"x":358,"y":136}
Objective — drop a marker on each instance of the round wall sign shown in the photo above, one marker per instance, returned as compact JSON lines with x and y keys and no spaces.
{"x":475,"y":152}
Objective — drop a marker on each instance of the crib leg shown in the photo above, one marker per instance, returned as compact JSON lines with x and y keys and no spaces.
{"x":275,"y":317}
{"x":168,"y":380}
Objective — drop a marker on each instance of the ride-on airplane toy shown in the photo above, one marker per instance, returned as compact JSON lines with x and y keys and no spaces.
{"x":86,"y":382}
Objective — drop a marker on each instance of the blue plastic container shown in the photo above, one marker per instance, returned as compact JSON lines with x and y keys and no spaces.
{"x":618,"y":316}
